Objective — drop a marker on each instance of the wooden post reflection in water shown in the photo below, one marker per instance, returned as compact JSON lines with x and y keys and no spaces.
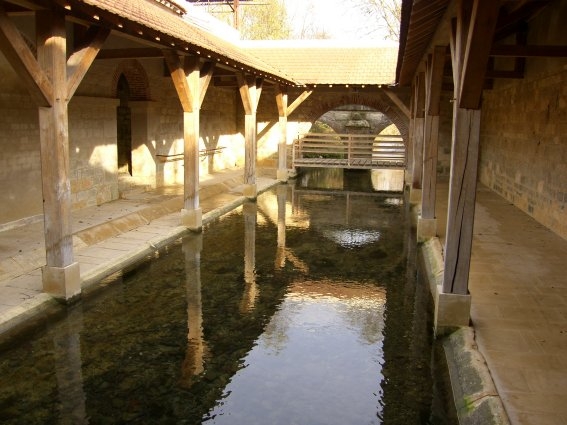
{"x":249,"y":210}
{"x":194,"y":362}
{"x":68,"y":369}
{"x":280,"y":252}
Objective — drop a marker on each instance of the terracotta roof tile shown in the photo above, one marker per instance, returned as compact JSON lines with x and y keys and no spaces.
{"x":150,"y":14}
{"x":329,"y":61}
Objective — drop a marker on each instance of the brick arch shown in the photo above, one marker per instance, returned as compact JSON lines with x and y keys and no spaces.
{"x":379,"y":102}
{"x":137,"y":79}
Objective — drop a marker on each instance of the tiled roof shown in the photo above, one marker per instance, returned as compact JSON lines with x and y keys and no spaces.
{"x":329,"y":61}
{"x":166,"y":23}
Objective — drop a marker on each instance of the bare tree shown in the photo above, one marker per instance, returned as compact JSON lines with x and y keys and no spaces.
{"x":387,"y":14}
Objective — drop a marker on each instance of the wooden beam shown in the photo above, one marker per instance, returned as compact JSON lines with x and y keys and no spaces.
{"x":397,"y":101}
{"x":206,"y":75}
{"x":475,"y":60}
{"x":436,"y":79}
{"x":143,"y":52}
{"x":418,"y":131}
{"x":542,"y":51}
{"x":177,"y":71}
{"x":81,"y":60}
{"x":245,"y":83}
{"x":281,"y":100}
{"x":298,"y":101}
{"x":259,"y":86}
{"x":22,"y":59}
{"x":518,"y":75}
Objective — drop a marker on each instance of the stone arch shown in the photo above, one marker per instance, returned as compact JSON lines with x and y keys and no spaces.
{"x":377,"y":101}
{"x":136,"y":77}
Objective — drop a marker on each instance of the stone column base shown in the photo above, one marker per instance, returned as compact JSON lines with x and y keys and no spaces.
{"x":451,"y":311}
{"x":282,"y":175}
{"x":250,"y":191}
{"x":415,"y":196}
{"x":62,"y":282}
{"x":426,"y":228}
{"x":192,"y":219}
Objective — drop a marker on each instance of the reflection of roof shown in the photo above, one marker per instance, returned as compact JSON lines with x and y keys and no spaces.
{"x":339,"y":289}
{"x":329,"y":61}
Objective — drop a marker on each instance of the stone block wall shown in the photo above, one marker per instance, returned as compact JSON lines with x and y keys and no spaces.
{"x":20,"y":162}
{"x":523,"y":154}
{"x":92,"y":151}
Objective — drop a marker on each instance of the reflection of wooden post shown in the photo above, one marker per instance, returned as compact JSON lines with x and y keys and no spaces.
{"x":196,"y":345}
{"x":250,"y":292}
{"x":68,"y":368}
{"x":280,"y":253}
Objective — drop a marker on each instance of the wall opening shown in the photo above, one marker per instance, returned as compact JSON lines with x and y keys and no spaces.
{"x":124,"y":127}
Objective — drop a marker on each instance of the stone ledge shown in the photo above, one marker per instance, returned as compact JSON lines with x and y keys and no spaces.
{"x":477,"y":401}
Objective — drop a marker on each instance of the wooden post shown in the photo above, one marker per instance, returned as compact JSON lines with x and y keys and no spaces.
{"x":191,"y":84}
{"x":250,"y":89}
{"x":462,"y":195}
{"x":418,"y":131}
{"x":281,"y":101}
{"x":471,"y":39}
{"x":426,"y":225}
{"x":61,"y":276}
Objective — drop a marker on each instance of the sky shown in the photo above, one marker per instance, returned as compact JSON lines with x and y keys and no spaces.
{"x":338,"y":18}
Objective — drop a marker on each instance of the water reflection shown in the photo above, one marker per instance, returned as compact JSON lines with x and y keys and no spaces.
{"x":196,"y":346}
{"x":68,"y":369}
{"x":251,"y":289}
{"x":267,"y":317}
{"x":304,"y":360}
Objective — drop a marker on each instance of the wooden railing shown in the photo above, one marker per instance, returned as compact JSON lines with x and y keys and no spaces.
{"x":364,"y":151}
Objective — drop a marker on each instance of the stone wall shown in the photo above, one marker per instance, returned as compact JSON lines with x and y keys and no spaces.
{"x":157,"y":137}
{"x":523,"y":154}
{"x":20,"y":163}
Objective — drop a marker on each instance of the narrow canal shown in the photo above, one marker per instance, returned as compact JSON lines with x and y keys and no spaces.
{"x":302,"y":308}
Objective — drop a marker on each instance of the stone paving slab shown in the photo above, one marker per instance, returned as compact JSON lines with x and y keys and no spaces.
{"x":109,"y":238}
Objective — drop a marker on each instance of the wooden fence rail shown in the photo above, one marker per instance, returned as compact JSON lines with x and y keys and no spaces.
{"x":363,"y":151}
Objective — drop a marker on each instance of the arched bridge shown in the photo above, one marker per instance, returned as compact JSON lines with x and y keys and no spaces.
{"x":352,"y":151}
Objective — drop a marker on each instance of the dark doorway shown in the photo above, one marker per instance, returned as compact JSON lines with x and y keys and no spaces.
{"x":124,"y":127}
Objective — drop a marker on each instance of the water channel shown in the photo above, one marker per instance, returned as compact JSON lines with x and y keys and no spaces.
{"x":302,"y":308}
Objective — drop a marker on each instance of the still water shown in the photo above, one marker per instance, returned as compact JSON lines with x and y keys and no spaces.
{"x":301,"y":308}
